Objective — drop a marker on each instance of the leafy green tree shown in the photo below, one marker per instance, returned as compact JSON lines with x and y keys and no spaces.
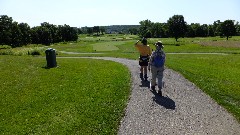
{"x":202,"y":30}
{"x":210,"y":31}
{"x":145,"y":28}
{"x":80,"y":31}
{"x":35,"y":35}
{"x":96,"y":29}
{"x":102,"y":30}
{"x":6,"y":29}
{"x":133,"y":31}
{"x":228,"y":28}
{"x":89,"y":30}
{"x":237,"y":25}
{"x":69,"y":33}
{"x":165,"y":33}
{"x":45,"y":36}
{"x":217,"y":28}
{"x":16,"y":35}
{"x":177,"y":26}
{"x":190,"y":32}
{"x":74,"y":34}
{"x":157,"y":30}
{"x":25,"y":33}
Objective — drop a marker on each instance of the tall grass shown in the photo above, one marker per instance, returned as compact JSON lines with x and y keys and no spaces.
{"x":19,"y":51}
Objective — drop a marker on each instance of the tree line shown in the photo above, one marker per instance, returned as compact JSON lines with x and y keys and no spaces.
{"x":18,"y":34}
{"x":176,"y":27}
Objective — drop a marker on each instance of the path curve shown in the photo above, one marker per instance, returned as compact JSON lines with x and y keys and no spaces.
{"x":183,"y":109}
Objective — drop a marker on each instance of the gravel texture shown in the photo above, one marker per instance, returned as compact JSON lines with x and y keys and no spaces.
{"x":183,"y":109}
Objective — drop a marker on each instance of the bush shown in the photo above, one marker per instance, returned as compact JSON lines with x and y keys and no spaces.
{"x":35,"y":52}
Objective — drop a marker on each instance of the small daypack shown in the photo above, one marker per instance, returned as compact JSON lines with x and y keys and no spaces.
{"x":144,"y":58}
{"x":158,"y":60}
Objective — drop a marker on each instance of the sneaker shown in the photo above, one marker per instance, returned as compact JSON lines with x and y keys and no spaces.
{"x":160,"y":93}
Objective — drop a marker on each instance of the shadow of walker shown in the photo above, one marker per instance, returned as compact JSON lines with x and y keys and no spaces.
{"x":164,"y":101}
{"x":145,"y":83}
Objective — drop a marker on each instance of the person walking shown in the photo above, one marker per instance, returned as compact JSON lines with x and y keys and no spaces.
{"x":156,"y":65}
{"x":145,"y":51}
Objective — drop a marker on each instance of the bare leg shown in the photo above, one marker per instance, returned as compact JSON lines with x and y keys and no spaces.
{"x":141,"y":69}
{"x":160,"y":82}
{"x":145,"y":72}
{"x":141,"y":72}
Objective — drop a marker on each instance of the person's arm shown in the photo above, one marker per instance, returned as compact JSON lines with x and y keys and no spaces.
{"x":137,"y":46}
{"x":150,"y":62}
{"x":136,"y":43}
{"x":150,"y":50}
{"x":164,"y":60}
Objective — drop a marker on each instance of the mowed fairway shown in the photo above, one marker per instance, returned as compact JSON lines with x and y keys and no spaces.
{"x":107,"y":46}
{"x":81,"y":96}
{"x":101,"y":47}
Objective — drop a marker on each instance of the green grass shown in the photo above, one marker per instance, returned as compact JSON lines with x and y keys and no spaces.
{"x":81,"y":96}
{"x":107,"y":46}
{"x":89,"y":96}
{"x":74,"y":47}
{"x":217,"y":75}
{"x":196,"y":48}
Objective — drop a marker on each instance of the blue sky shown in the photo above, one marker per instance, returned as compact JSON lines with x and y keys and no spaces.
{"x":80,"y":13}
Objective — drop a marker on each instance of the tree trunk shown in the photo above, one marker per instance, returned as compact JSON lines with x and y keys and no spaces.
{"x":176,"y":39}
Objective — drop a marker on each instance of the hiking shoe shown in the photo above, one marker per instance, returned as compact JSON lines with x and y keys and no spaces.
{"x":145,"y":77}
{"x":141,"y":76}
{"x":160,"y":93}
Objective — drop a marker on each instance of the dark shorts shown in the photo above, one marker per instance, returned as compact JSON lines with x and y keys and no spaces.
{"x":143,"y":60}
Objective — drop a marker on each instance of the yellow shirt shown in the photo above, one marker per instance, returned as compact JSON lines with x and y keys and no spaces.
{"x":144,"y":50}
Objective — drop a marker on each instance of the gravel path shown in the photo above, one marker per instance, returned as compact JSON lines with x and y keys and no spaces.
{"x":183,"y":109}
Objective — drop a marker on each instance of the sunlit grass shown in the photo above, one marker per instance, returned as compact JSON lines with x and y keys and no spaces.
{"x":217,"y":75}
{"x":80,"y":96}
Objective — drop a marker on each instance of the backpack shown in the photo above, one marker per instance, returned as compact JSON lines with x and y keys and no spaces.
{"x":158,"y":60}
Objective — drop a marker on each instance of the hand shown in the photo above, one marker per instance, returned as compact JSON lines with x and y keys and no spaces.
{"x":137,"y":41}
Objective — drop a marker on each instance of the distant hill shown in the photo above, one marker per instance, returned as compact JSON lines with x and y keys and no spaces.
{"x":120,"y":28}
{"x":116,"y":28}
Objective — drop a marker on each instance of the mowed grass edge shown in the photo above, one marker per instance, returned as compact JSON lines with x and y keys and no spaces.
{"x":81,"y":96}
{"x":216,"y":75}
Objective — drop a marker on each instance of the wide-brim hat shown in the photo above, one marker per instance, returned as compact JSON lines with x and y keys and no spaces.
{"x":159,"y":44}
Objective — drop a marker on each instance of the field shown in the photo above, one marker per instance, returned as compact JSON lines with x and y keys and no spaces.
{"x":211,"y":63}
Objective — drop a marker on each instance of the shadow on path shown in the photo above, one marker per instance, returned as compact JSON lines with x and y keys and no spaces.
{"x":164,"y":101}
{"x":145,"y":83}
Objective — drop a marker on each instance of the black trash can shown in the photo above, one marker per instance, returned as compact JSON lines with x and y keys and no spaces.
{"x":51,"y":58}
